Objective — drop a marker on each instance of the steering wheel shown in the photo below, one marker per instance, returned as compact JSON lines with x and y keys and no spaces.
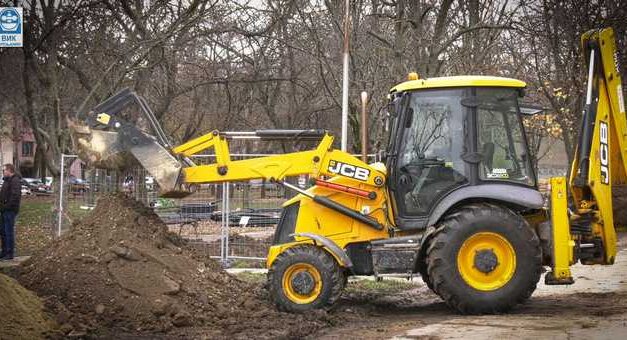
{"x":411,"y":173}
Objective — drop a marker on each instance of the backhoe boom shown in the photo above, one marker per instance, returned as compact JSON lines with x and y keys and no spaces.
{"x":599,"y":166}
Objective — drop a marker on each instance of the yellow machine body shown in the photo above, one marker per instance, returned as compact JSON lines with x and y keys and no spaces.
{"x":340,"y":229}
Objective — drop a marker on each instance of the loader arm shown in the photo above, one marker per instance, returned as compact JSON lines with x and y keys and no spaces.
{"x":599,"y":166}
{"x":321,"y":161}
{"x":348,"y":174}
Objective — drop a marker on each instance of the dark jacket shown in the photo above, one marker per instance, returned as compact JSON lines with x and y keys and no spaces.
{"x":11,"y":193}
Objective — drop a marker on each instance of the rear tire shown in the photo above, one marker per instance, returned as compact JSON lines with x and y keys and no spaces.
{"x":484,"y":259}
{"x":303,"y":278}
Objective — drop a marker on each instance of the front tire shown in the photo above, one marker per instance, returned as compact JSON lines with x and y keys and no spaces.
{"x":303,"y":278}
{"x":484,"y":259}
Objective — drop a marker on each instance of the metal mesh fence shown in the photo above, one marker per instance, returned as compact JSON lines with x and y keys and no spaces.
{"x":78,"y":189}
{"x":229,"y":221}
{"x":548,"y":172}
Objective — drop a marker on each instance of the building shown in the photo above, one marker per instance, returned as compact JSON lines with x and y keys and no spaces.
{"x":17,"y":143}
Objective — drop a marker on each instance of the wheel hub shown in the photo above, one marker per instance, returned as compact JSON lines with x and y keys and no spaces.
{"x":303,"y":283}
{"x":485,"y":260}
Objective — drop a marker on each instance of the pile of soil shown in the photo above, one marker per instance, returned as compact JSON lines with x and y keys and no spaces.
{"x":23,"y":315}
{"x":119,"y":271}
{"x":619,"y":193}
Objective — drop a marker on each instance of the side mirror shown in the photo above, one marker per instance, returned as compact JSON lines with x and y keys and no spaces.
{"x":381,"y":156}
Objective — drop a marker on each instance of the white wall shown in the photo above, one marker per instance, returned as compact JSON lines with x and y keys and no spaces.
{"x":6,"y":151}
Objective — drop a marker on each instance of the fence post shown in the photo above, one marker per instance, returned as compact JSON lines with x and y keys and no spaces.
{"x":223,"y":226}
{"x":60,"y":212}
{"x":227,"y":222}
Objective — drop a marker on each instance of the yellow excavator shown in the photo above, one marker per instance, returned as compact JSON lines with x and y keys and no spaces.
{"x":456,"y":199}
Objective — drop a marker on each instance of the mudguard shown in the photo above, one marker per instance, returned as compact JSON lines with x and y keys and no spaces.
{"x":515,"y":195}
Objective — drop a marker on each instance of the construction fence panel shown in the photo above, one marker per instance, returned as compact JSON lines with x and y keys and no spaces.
{"x":234,"y":220}
{"x":78,"y":189}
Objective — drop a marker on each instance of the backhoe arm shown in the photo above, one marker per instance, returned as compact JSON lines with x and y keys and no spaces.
{"x":599,"y":166}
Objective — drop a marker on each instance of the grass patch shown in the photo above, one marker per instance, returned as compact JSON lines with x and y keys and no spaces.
{"x":257,"y":278}
{"x":34,"y":213}
{"x":243,"y":263}
{"x":75,"y":211}
{"x":33,"y":227}
{"x":383,"y":286}
{"x":36,"y":223}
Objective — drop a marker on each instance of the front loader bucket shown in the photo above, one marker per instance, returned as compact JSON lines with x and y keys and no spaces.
{"x":128,"y":147}
{"x":101,"y":149}
{"x":165,"y":168}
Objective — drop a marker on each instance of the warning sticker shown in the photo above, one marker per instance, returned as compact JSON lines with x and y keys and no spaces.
{"x":498,"y":173}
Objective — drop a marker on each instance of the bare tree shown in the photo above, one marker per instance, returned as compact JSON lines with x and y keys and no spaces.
{"x":548,"y":49}
{"x":244,"y":65}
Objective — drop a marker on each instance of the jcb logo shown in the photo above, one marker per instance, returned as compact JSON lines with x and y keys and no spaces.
{"x":348,"y":170}
{"x":604,"y":153}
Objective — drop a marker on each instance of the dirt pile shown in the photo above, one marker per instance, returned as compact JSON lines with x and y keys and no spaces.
{"x":619,"y":204}
{"x":119,"y":271}
{"x":23,"y":315}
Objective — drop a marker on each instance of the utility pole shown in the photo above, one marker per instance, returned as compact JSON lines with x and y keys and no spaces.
{"x":364,"y":127}
{"x":345,"y":77}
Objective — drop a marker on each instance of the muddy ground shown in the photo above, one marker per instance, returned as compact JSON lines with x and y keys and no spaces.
{"x":595,"y":307}
{"x":133,"y":278}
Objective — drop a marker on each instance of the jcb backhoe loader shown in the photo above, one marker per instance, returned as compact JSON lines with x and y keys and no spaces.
{"x":456,"y":201}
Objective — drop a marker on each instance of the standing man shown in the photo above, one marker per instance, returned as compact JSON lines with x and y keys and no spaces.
{"x":10,"y":196}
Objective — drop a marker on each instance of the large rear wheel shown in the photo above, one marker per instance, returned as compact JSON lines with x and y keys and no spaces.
{"x":484,"y":259}
{"x":303,"y":278}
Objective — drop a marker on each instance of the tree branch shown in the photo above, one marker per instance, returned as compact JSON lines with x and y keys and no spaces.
{"x":459,"y":33}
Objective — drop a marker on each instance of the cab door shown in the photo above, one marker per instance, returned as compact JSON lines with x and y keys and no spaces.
{"x":427,"y":162}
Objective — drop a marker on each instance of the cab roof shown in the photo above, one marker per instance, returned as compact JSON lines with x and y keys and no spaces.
{"x":457,"y":81}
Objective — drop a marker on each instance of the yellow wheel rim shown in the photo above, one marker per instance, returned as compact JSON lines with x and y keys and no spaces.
{"x":486,"y":261}
{"x":302,"y":283}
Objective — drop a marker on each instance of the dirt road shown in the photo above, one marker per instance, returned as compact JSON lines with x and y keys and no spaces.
{"x":594,"y":307}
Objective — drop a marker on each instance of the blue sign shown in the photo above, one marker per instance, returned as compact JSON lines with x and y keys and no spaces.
{"x":11,"y":25}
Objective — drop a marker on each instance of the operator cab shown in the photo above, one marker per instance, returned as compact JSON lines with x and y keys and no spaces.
{"x":452,"y":133}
